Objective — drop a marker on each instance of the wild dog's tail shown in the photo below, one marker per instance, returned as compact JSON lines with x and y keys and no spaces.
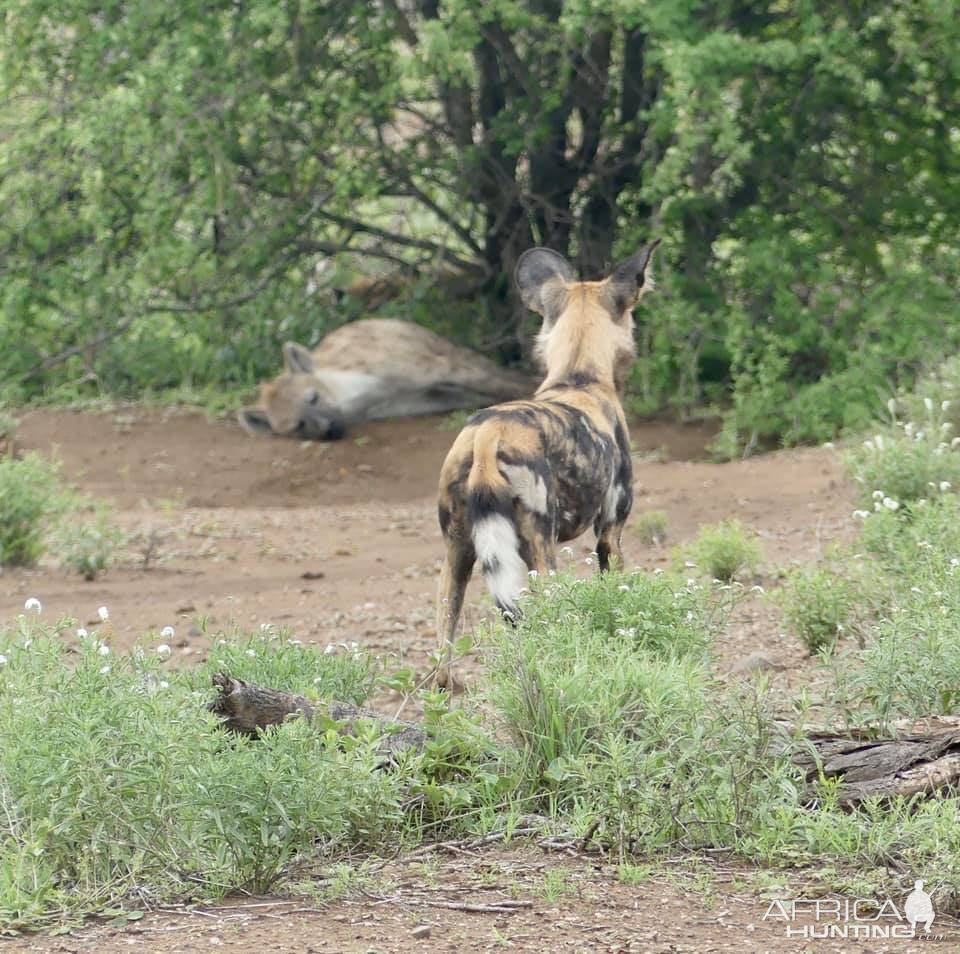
{"x":491,"y":513}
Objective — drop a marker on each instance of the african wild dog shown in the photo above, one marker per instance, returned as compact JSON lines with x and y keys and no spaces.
{"x":524,"y":475}
{"x":374,"y":369}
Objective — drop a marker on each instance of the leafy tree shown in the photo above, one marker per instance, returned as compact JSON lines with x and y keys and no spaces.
{"x":182,"y":183}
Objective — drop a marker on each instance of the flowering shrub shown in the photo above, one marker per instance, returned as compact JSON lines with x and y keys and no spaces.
{"x":909,"y":462}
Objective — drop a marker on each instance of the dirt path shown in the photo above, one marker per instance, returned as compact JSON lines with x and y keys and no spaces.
{"x":338,"y":542}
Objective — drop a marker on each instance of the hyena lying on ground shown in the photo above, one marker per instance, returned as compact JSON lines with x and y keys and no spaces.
{"x":374,"y":369}
{"x":524,"y":475}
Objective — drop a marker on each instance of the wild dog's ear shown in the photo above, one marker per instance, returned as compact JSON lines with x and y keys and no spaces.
{"x":298,"y":359}
{"x":254,"y":422}
{"x":539,"y":272}
{"x":630,"y":279}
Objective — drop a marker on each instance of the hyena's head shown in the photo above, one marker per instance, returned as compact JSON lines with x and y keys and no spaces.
{"x":295,"y":404}
{"x":587,"y":332}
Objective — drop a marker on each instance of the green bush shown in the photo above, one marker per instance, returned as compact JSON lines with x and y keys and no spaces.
{"x":651,"y":527}
{"x":30,"y":499}
{"x":114,"y":775}
{"x":88,"y":546}
{"x":911,"y":664}
{"x":604,"y":686}
{"x":724,"y":550}
{"x":819,"y":605}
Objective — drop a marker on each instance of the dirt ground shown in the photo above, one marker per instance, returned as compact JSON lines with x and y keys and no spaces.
{"x":339,"y":543}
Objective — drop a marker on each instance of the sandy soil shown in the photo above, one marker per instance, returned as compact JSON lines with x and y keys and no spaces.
{"x":338,"y":542}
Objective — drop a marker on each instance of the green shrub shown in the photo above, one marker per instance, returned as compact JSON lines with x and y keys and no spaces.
{"x":88,"y":547}
{"x":911,"y":664}
{"x":604,"y":687}
{"x":651,"y":527}
{"x":30,"y":498}
{"x":116,"y":775}
{"x":819,"y":605}
{"x":724,"y":550}
{"x":907,"y":461}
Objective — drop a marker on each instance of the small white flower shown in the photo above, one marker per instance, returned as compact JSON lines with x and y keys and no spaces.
{"x":167,"y":632}
{"x":104,"y":649}
{"x":945,"y":485}
{"x":955,"y":442}
{"x":264,"y":627}
{"x":892,"y":406}
{"x":878,"y":440}
{"x":163,"y":684}
{"x":164,"y":651}
{"x":589,"y":561}
{"x":296,"y":642}
{"x":869,"y":445}
{"x":890,"y":503}
{"x":82,"y":633}
{"x":3,"y":660}
{"x":104,"y":670}
{"x":329,"y":650}
{"x":954,"y":561}
{"x":250,"y":652}
{"x":928,"y":404}
{"x":620,"y":632}
{"x":861,"y":514}
{"x":908,"y":428}
{"x":533,"y":574}
{"x":878,"y":495}
{"x":568,"y":551}
{"x":103,"y":613}
{"x":623,"y":588}
{"x":33,"y":604}
{"x":221,"y":642}
{"x":944,"y":405}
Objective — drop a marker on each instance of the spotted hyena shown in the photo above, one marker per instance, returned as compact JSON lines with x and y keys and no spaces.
{"x":524,"y":475}
{"x":374,"y":369}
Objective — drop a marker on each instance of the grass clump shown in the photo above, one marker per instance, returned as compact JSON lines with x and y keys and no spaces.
{"x":819,"y":606}
{"x":725,"y":550}
{"x":30,"y":500}
{"x":88,"y":546}
{"x":651,"y":527}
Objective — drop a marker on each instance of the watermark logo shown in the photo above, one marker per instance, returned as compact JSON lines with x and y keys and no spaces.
{"x":863,"y":918}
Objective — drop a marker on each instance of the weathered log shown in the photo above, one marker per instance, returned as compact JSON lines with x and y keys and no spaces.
{"x":921,"y":759}
{"x":246,"y":709}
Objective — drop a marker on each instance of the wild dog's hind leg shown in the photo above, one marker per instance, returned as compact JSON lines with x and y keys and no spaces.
{"x":608,"y":547}
{"x":457,"y":568}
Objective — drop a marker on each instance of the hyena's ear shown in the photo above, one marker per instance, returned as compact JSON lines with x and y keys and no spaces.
{"x":540,"y":274}
{"x":630,"y":279}
{"x":254,"y":422}
{"x":297,"y":358}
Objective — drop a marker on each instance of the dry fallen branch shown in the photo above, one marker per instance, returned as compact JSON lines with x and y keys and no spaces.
{"x":924,"y":759}
{"x":247,"y":709}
